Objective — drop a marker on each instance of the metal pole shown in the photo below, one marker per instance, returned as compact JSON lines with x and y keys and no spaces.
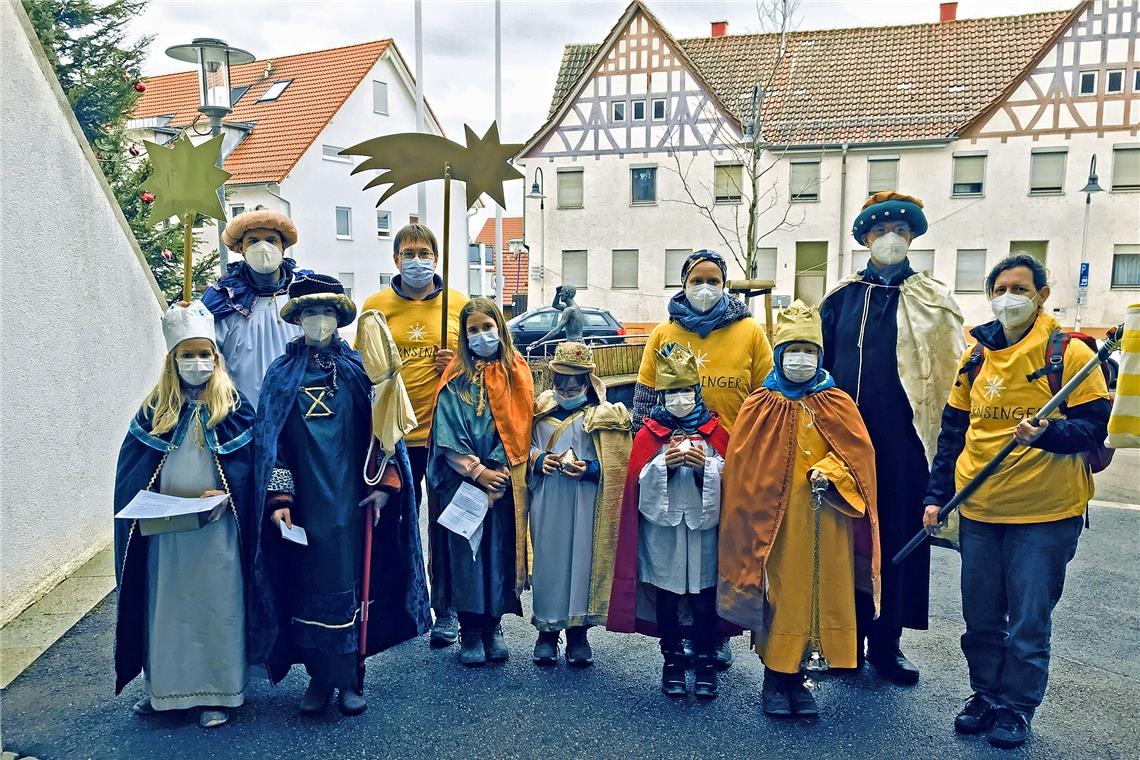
{"x":421,"y":188}
{"x":188,"y":257}
{"x":446,"y":253}
{"x":500,"y":279}
{"x":223,"y":252}
{"x":1084,"y":245}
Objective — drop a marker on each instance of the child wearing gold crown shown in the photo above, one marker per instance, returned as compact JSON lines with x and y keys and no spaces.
{"x":667,"y":539}
{"x":181,"y":602}
{"x":799,"y":533}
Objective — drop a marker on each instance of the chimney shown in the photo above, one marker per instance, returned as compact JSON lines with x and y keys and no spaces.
{"x":719,"y":28}
{"x":947,"y":11}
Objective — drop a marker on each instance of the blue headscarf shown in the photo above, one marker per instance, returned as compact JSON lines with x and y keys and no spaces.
{"x":726,"y":311}
{"x":776,"y":381}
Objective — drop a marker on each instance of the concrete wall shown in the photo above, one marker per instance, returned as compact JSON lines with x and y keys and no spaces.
{"x":80,"y":340}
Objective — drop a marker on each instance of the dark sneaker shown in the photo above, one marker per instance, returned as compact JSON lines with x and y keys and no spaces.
{"x":495,"y":646}
{"x":144,"y":707}
{"x":688,"y":659}
{"x":212,"y":718}
{"x":773,"y":697}
{"x":471,"y":651}
{"x":723,"y":654}
{"x":673,"y":674}
{"x":978,"y":715}
{"x":893,"y":665}
{"x":546,"y":649}
{"x":445,"y":630}
{"x":800,"y":697}
{"x":1010,"y":729}
{"x":315,"y":698}
{"x":578,"y":651}
{"x":351,"y":702}
{"x":704,"y":677}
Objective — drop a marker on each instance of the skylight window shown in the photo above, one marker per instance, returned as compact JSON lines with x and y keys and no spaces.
{"x":274,"y":91}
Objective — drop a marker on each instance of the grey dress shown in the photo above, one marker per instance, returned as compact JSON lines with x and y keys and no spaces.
{"x":195,"y":610}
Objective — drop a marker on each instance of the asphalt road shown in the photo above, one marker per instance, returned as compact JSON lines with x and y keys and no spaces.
{"x":423,"y":703}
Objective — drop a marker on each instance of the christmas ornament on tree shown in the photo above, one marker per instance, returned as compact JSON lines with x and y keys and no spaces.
{"x":140,"y":87}
{"x":147,"y":198}
{"x":134,"y":150}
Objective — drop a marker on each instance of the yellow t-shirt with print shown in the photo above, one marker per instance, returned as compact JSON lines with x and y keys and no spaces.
{"x":732,"y":361}
{"x":415,"y":326}
{"x":1032,"y":485}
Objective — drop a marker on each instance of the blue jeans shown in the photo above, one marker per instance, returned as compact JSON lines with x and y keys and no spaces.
{"x":1012,"y":577}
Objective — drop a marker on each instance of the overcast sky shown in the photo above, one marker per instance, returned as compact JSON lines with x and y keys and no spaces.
{"x":459,"y":39}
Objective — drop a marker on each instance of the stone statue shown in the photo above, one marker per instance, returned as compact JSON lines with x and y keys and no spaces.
{"x":570,"y":320}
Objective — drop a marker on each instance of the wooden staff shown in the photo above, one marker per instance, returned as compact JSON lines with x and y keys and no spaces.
{"x":366,"y":592}
{"x":446,"y":251}
{"x":187,"y":257}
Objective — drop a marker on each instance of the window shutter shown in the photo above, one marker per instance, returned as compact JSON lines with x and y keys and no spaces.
{"x":574,"y":268}
{"x":766,"y":264}
{"x":882,"y":175}
{"x":969,"y":171}
{"x":570,"y":189}
{"x":970,"y":271}
{"x":804,"y":180}
{"x":1126,"y":266}
{"x":674,"y":260}
{"x":1047,"y":172}
{"x":625,"y":268}
{"x":1126,"y":168}
{"x":728,"y":182}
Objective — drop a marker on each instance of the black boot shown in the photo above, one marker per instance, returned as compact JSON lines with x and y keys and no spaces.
{"x":494,"y":645}
{"x":351,"y":702}
{"x":704,"y":682}
{"x":315,"y":698}
{"x":578,"y":651}
{"x":799,"y":697}
{"x":471,"y":651}
{"x":546,"y":649}
{"x":445,"y":630}
{"x":773,"y":696}
{"x":887,"y":658}
{"x":673,"y":672}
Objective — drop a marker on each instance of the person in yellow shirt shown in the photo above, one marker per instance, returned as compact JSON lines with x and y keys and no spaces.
{"x":412,"y":308}
{"x":732,"y":352}
{"x":1019,"y":530}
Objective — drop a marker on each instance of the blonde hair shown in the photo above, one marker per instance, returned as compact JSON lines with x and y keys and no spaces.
{"x":165,"y":401}
{"x":472,"y":377}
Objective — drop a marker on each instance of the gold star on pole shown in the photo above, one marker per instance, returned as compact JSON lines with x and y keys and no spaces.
{"x":185,"y":179}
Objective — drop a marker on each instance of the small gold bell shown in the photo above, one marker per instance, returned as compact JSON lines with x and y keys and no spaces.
{"x":816,"y":662}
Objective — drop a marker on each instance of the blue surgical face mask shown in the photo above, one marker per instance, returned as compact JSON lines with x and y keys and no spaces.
{"x":570,"y":403}
{"x":418,"y":272}
{"x":484,"y":344}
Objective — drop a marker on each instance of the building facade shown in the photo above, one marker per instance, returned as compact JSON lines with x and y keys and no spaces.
{"x":993,"y":123}
{"x":292,"y":117}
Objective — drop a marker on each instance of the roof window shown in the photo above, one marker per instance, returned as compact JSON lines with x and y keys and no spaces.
{"x":274,"y":91}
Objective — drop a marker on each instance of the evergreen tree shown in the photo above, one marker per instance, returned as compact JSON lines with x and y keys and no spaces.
{"x":86,"y":43}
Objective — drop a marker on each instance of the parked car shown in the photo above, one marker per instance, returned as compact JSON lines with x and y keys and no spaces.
{"x":600,"y":327}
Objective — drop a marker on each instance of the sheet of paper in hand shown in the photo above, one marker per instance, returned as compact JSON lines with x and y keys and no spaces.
{"x":464,"y":515}
{"x":296,"y":534}
{"x":161,"y":513}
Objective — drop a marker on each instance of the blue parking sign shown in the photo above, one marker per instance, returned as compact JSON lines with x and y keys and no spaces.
{"x":1083,"y":280}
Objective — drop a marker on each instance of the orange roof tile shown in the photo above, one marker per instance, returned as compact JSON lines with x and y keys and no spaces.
{"x":516,"y":267}
{"x":512,"y":230}
{"x":870,"y":84}
{"x":283,"y":128}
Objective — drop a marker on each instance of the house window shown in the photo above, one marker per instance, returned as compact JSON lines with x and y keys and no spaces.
{"x":385,"y":279}
{"x":643,"y":184}
{"x":383,"y":223}
{"x":235,"y":210}
{"x":348,"y":280}
{"x":1126,"y":265}
{"x":804,"y":180}
{"x":617,"y":110}
{"x":1047,"y":171}
{"x":639,"y":110}
{"x":343,"y":223}
{"x":379,"y":97}
{"x":674,"y":260}
{"x":970,"y":270}
{"x":1126,"y":168}
{"x":659,"y":108}
{"x":1088,"y":83}
{"x":969,"y":172}
{"x":728,"y":179}
{"x":811,"y":271}
{"x":474,"y":281}
{"x":274,"y":91}
{"x":1038,"y":249}
{"x":764,"y":265}
{"x":882,"y":174}
{"x":331,"y":153}
{"x":921,"y":260}
{"x":413,"y":218}
{"x":1114,"y":82}
{"x":1136,"y":80}
{"x":574,"y":268}
{"x":569,"y":188}
{"x":624,"y":269}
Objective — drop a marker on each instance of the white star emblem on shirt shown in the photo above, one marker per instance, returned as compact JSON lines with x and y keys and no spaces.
{"x":700,"y":356}
{"x":994,"y":387}
{"x":416,"y":332}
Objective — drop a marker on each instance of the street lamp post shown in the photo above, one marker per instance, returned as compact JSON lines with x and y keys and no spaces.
{"x":536,"y":194}
{"x":517,"y":248}
{"x":213,"y":58}
{"x":1092,"y":186}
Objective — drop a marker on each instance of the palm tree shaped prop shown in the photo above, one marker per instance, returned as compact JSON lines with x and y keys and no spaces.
{"x":184,"y":181}
{"x":409,"y":158}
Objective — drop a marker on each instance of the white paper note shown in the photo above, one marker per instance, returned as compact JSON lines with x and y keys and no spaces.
{"x":149,"y":504}
{"x":296,"y":534}
{"x":464,"y":515}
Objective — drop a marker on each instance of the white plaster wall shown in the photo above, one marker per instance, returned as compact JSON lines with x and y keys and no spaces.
{"x":80,"y":340}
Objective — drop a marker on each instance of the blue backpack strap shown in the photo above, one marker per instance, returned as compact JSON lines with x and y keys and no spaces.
{"x":973,"y":365}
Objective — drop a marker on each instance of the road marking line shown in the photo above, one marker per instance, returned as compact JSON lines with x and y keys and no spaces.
{"x":1115,"y":505}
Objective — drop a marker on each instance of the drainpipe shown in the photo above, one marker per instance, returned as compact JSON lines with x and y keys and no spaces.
{"x":842,"y":208}
{"x":288,"y":205}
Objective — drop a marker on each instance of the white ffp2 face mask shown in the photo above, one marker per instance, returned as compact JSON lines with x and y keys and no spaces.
{"x":195,"y":371}
{"x":263,"y":257}
{"x":800,"y":367}
{"x":704,"y":296}
{"x":1013,"y":310}
{"x":889,"y":249}
{"x":318,"y":327}
{"x":680,"y":403}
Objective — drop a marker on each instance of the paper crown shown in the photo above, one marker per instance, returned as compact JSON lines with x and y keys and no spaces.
{"x":676,"y":368}
{"x":185,"y":322}
{"x":799,"y":323}
{"x":572,"y":358}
